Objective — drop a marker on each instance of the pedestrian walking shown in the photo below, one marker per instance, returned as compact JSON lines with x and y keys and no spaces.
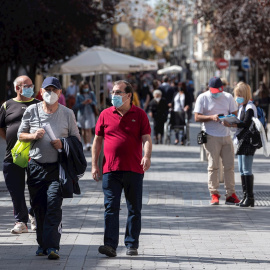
{"x":181,"y":103}
{"x":11,"y":113}
{"x":71,"y":94}
{"x":123,"y":128}
{"x":158,"y":111}
{"x":245,"y":150}
{"x":262,"y":98}
{"x":208,"y":107}
{"x":226,"y":86}
{"x":136,"y":99}
{"x":86,"y":116}
{"x":43,"y":168}
{"x":166,"y":89}
{"x":145,"y":95}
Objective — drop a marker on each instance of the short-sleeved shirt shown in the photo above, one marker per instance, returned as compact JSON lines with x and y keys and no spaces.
{"x":63,"y":125}
{"x":207,"y":105}
{"x":11,"y":113}
{"x":123,"y":138}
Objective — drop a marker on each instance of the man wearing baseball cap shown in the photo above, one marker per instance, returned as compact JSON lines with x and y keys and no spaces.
{"x":208,"y":107}
{"x":43,"y":168}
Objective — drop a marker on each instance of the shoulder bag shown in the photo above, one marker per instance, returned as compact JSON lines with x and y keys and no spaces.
{"x":20,"y":151}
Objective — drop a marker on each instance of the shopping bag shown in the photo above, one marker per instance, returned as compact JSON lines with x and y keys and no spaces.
{"x":20,"y":153}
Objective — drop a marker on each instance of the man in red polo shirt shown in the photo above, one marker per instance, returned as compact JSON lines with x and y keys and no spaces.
{"x":125,"y":129}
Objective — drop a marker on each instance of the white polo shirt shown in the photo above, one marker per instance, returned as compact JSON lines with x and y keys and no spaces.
{"x":207,"y":105}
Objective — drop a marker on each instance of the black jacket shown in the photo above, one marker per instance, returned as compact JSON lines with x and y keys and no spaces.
{"x":159,"y":110}
{"x":244,"y":144}
{"x":72,"y":166}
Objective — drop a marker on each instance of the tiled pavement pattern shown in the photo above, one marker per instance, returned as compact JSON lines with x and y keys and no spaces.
{"x":180,"y":229}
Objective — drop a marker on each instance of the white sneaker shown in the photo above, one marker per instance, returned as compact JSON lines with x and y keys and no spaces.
{"x":19,"y":227}
{"x":33,"y":223}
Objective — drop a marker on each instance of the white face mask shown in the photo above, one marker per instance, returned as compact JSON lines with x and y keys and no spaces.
{"x":158,"y":99}
{"x":50,"y":97}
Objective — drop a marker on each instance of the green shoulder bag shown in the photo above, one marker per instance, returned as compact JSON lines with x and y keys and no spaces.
{"x":20,"y":153}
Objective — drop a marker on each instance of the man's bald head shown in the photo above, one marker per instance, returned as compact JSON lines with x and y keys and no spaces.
{"x":21,"y":80}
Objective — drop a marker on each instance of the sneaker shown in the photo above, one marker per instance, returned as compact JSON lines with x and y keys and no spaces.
{"x":132,"y":251}
{"x":233,"y":199}
{"x":53,"y":254}
{"x":41,"y":252}
{"x":19,"y":227}
{"x":33,"y":222}
{"x":215,"y":199}
{"x":107,"y":250}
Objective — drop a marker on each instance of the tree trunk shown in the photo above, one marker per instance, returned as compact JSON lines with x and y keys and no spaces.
{"x":3,"y":82}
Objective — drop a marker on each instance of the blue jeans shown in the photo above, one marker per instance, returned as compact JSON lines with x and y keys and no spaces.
{"x":245,"y":164}
{"x":113,"y":183}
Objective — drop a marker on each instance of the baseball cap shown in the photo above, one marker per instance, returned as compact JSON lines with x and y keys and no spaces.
{"x":215,"y":85}
{"x":51,"y":81}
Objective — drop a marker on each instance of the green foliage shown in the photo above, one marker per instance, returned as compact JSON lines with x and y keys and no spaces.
{"x":238,"y":26}
{"x":36,"y":32}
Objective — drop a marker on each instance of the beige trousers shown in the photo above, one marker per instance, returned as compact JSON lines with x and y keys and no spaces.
{"x":220,"y":147}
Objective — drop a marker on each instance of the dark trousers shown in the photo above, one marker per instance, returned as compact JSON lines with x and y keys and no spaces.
{"x":112,"y":185}
{"x":15,"y":182}
{"x":46,"y":201}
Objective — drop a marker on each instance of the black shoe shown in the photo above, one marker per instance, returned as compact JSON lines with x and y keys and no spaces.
{"x":132,"y":251}
{"x":244,"y":188}
{"x":107,"y":250}
{"x":249,"y":201}
{"x":53,"y":254}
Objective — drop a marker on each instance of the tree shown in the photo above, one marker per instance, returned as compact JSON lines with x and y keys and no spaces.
{"x":242,"y":25}
{"x":38,"y":32}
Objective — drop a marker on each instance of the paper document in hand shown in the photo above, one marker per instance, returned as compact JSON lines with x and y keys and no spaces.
{"x":50,"y":133}
{"x":230,"y":118}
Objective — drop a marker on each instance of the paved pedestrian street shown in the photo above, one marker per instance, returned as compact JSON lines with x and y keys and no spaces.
{"x":180,"y":230}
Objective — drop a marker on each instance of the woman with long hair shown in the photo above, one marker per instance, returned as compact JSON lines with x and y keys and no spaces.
{"x":245,"y":150}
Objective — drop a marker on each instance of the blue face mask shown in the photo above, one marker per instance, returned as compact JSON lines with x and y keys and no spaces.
{"x":117,"y":101}
{"x":27,"y":92}
{"x":217,"y":95}
{"x":239,"y":100}
{"x":85,"y":90}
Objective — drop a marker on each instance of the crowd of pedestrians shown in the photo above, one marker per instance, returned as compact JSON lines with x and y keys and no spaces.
{"x":122,"y":128}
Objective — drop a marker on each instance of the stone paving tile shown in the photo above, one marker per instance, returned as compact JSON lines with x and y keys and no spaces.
{"x":180,"y":230}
